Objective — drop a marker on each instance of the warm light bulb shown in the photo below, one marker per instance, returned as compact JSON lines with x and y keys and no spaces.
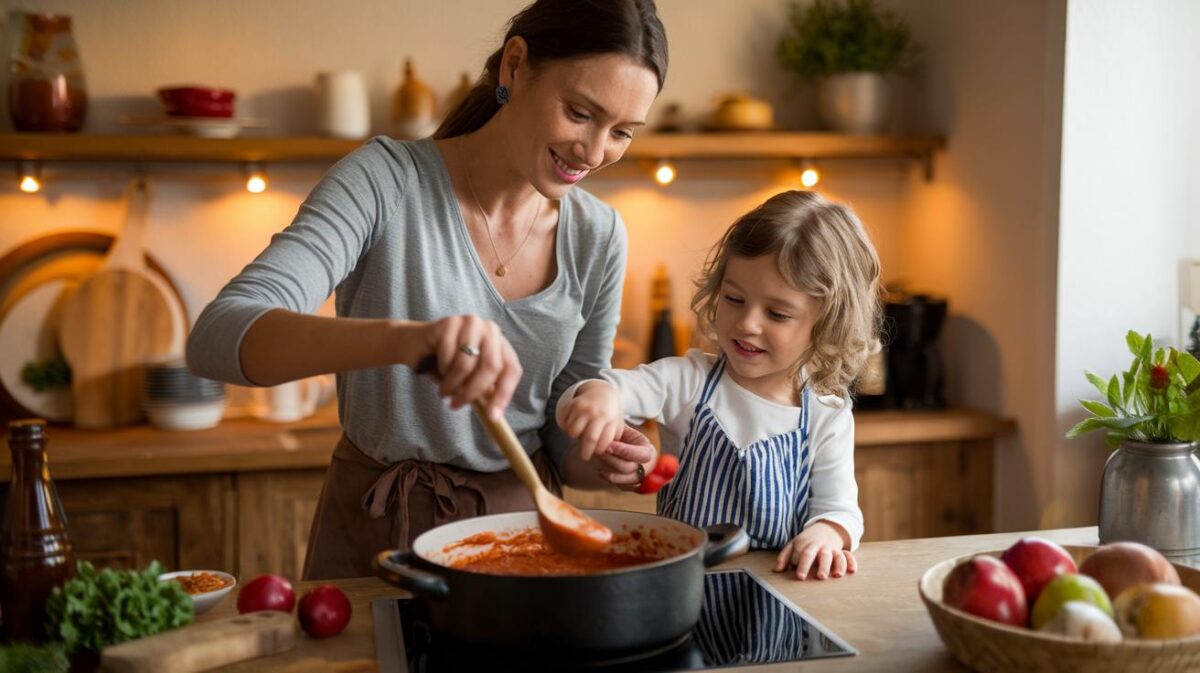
{"x":665,"y":173}
{"x":256,"y":184}
{"x":30,"y":185}
{"x":809,"y":177}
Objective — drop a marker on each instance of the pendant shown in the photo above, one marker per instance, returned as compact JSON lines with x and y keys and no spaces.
{"x":502,"y":270}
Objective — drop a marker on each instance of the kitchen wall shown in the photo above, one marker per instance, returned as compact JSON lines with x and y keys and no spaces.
{"x":984,"y":232}
{"x":1130,"y":208}
{"x":268,"y":50}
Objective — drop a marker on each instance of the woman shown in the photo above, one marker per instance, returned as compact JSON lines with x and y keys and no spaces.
{"x":472,"y":247}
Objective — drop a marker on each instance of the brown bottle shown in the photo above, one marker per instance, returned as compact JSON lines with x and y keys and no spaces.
{"x":35,"y":554}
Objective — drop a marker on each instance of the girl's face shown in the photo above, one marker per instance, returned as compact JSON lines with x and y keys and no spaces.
{"x":764,"y":326}
{"x":572,"y":117}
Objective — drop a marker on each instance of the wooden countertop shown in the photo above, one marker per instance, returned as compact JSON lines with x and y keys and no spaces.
{"x":250,"y":445}
{"x":877,"y":610}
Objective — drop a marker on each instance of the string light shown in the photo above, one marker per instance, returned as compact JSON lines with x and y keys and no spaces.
{"x":809,"y":175}
{"x":256,"y":178}
{"x":665,"y":173}
{"x":27,"y":177}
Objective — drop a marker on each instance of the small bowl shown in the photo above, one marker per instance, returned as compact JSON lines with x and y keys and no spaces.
{"x":197,"y":101}
{"x":205,"y":601}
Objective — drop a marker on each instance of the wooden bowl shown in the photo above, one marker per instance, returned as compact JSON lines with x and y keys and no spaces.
{"x":988,"y":646}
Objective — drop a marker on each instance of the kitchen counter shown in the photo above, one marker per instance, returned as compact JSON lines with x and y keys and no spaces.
{"x":877,"y":610}
{"x":246,"y":445}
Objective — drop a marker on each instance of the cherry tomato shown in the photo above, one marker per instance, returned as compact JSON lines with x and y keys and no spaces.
{"x":266,"y":592}
{"x":324,"y":611}
{"x":666,"y":466}
{"x":651,"y":483}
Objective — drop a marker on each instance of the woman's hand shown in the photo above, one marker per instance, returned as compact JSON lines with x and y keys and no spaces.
{"x":475,"y":361}
{"x":593,"y":417}
{"x":820,"y":549}
{"x":619,"y":461}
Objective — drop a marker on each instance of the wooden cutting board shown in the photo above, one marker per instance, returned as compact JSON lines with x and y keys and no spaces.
{"x":199,"y":647}
{"x":112,"y":324}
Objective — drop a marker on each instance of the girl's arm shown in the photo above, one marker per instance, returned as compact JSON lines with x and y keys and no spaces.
{"x":833,"y":497}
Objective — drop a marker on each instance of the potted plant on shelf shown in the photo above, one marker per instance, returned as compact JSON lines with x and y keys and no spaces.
{"x":848,"y":47}
{"x":1150,"y":490}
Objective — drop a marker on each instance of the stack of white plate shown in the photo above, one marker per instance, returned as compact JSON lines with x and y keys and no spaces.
{"x":177,"y":400}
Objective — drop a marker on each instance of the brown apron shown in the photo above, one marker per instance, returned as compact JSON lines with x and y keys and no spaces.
{"x":367,"y":506}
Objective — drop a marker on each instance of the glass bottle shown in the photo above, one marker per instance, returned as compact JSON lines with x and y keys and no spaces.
{"x":46,"y":90}
{"x":662,"y":334}
{"x":35,"y":554}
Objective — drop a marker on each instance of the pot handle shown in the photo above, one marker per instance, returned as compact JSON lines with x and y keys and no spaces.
{"x":395,"y":567}
{"x":725,"y":540}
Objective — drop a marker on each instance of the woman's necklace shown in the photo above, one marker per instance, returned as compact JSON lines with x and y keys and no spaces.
{"x":502,"y":269}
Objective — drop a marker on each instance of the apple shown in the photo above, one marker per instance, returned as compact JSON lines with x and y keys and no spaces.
{"x":1158,"y":611}
{"x":1078,"y":619}
{"x":985,"y":587}
{"x":1064,"y":588}
{"x":1121,"y":565}
{"x":1036,"y":561}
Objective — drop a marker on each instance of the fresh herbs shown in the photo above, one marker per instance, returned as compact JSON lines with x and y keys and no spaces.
{"x":47,"y":374}
{"x":831,"y":37}
{"x":23,"y":658}
{"x":1156,"y":400}
{"x":97,"y":608}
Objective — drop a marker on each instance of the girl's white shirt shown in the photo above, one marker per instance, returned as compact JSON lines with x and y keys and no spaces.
{"x":667,"y":390}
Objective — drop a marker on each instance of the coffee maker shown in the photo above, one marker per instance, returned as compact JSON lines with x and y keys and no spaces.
{"x":916,"y":377}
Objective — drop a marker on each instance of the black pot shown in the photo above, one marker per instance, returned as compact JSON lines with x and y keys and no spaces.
{"x":605,"y":614}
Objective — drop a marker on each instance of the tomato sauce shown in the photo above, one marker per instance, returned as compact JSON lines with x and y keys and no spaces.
{"x":525,"y":552}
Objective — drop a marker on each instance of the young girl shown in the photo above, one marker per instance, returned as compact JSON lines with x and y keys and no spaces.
{"x":763,"y":431}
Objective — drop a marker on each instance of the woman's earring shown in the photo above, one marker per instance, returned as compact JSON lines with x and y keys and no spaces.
{"x":502,"y":94}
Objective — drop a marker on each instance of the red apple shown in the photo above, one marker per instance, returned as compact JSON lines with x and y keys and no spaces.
{"x":985,"y":587}
{"x":1121,"y":565}
{"x":1035,"y":561}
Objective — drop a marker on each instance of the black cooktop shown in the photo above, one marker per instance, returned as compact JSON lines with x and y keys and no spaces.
{"x":743,"y":622}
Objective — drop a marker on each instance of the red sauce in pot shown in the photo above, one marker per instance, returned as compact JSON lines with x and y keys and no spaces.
{"x":525,"y":552}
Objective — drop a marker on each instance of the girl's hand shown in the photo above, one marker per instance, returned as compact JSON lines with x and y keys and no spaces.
{"x":620,"y":459}
{"x":818,"y":549}
{"x":593,"y":417}
{"x":474,"y":361}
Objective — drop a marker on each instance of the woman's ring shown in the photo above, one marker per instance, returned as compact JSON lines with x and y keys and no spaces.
{"x":469,"y":350}
{"x":641,"y":472}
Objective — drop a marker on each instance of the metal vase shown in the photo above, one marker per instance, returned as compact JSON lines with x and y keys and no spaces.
{"x":854,"y":102}
{"x":1150,"y":493}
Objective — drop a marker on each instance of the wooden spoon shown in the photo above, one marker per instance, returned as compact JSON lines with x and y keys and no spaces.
{"x":565,"y":528}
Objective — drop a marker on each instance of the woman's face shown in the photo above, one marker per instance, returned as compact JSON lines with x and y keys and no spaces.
{"x":764,"y":325}
{"x":568,"y":118}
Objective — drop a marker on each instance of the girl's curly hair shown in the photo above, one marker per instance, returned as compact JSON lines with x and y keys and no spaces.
{"x":824,"y":251}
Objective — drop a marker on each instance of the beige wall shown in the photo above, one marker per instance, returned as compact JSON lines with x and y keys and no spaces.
{"x":985,"y":230}
{"x":269,"y":50}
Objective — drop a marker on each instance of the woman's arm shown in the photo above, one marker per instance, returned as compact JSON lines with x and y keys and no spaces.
{"x":285,"y":345}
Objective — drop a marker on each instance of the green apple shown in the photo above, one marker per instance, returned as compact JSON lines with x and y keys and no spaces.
{"x":1068,"y":587}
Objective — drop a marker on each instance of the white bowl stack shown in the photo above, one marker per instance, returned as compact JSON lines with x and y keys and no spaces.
{"x":176,"y":400}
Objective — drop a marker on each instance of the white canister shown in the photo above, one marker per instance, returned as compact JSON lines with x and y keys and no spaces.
{"x":343,"y":107}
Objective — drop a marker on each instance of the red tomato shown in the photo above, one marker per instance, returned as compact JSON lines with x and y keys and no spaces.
{"x":666,"y":466}
{"x":266,"y":592}
{"x":324,"y":611}
{"x":651,"y":483}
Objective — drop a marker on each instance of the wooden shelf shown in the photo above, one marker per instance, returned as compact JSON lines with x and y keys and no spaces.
{"x":683,"y":146}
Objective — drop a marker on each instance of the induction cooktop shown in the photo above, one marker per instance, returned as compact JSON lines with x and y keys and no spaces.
{"x":743,"y":622}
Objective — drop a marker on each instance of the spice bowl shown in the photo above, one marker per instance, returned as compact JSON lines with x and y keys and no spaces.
{"x":203,"y":601}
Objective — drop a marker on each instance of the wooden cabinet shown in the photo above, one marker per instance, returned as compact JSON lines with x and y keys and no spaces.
{"x":182,"y":521}
{"x":275,"y":512}
{"x":241,"y":497}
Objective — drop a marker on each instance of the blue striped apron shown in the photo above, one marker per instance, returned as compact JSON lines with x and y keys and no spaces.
{"x":763,"y":487}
